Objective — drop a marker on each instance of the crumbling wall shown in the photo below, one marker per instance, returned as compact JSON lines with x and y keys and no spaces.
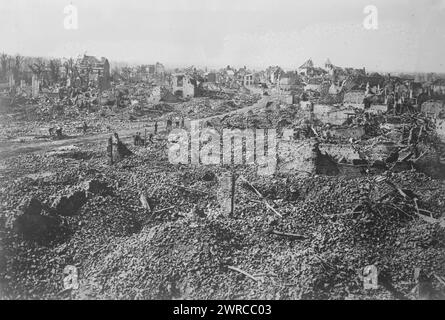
{"x":183,"y":86}
{"x":332,"y":114}
{"x":304,"y":158}
{"x":335,"y":118}
{"x":347,"y":132}
{"x":433,"y":108}
{"x":440,"y":129}
{"x":378,"y":108}
{"x":320,"y":109}
{"x":340,"y":151}
{"x":312,"y":87}
{"x":381,"y":151}
{"x":297,"y":157}
{"x":354,"y":98}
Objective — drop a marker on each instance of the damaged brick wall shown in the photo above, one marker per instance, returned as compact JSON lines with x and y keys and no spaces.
{"x":354,"y":98}
{"x":378,"y":108}
{"x":433,"y":108}
{"x":183,"y":86}
{"x":304,"y":158}
{"x":381,"y":151}
{"x":347,"y":132}
{"x":340,"y":151}
{"x":332,"y":114}
{"x":297,"y":157}
{"x":335,"y":118}
{"x":440,"y":129}
{"x":320,"y":109}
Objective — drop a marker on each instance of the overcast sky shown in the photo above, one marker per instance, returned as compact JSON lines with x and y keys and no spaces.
{"x":216,"y":33}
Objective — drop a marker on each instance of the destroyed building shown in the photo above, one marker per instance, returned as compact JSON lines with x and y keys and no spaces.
{"x":212,"y":77}
{"x":304,"y":158}
{"x":352,"y":177}
{"x":149,"y":72}
{"x":434,"y":108}
{"x":95,"y":70}
{"x":273,"y":74}
{"x":306,"y":68}
{"x":184,"y":85}
{"x":438,"y":87}
{"x":248,"y":79}
{"x":290,"y":81}
{"x":313,"y":84}
{"x":354,"y":98}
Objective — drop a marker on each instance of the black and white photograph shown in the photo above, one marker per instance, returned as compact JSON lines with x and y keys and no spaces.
{"x":229,"y":153}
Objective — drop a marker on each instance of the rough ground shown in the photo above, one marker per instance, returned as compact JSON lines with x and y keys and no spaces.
{"x":122,"y":251}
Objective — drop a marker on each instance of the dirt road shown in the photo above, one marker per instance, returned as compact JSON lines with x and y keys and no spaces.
{"x":13,"y":148}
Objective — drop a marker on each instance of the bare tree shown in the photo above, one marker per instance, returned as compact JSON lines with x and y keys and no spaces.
{"x":18,"y":62}
{"x":54,"y":69}
{"x":4,"y":58}
{"x":71,"y":70}
{"x":38,"y":67}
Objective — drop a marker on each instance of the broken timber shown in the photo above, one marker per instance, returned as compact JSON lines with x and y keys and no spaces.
{"x":262,"y":198}
{"x":243,"y":272}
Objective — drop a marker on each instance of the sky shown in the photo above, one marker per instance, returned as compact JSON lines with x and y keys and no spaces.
{"x":410,"y":34}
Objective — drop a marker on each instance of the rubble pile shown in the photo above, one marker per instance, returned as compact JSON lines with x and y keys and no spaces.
{"x":184,"y":247}
{"x":86,"y":182}
{"x":203,"y":107}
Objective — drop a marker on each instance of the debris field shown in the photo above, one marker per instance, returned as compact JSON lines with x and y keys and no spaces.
{"x":352,"y":188}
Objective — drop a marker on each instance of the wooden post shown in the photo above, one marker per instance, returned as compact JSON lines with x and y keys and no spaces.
{"x":232,"y":202}
{"x":226,"y":193}
{"x":110,"y":150}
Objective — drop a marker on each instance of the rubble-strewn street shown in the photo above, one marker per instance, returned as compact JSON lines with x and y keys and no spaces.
{"x":148,"y":181}
{"x":367,"y":191}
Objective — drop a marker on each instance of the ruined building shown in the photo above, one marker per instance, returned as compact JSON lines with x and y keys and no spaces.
{"x":183,"y":85}
{"x":95,"y":70}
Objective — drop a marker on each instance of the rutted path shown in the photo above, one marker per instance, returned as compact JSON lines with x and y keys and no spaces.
{"x":15,"y":148}
{"x":9,"y":149}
